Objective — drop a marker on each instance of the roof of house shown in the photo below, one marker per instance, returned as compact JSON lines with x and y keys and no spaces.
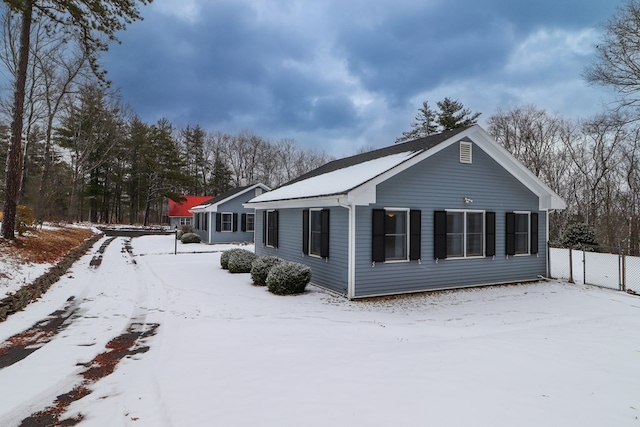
{"x":357,"y":176}
{"x":221,"y":198}
{"x":182,"y":209}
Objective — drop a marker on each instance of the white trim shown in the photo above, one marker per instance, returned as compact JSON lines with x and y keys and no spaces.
{"x":310,"y":232}
{"x":253,"y":215}
{"x":466,"y":152}
{"x":213,"y":207}
{"x":266,"y":231}
{"x":222,"y":230}
{"x":407,"y":234}
{"x":464,"y":234}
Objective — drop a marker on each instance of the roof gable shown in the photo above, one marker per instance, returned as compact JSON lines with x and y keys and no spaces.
{"x":353,"y":179}
{"x":182,"y":209}
{"x":212,"y":204}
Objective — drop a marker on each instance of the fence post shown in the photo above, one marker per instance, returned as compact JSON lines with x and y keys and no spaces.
{"x":584,"y":267}
{"x":623,"y":282}
{"x":571,"y":265}
{"x":175,"y":243}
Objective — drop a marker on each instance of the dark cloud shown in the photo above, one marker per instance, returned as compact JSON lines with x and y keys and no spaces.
{"x":354,"y":69}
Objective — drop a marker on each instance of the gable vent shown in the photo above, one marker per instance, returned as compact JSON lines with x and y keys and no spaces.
{"x":465,"y":152}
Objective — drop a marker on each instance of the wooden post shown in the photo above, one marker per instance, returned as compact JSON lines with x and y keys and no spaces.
{"x":571,"y":266}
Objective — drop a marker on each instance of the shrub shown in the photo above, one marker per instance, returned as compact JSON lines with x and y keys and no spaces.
{"x":260,"y":268}
{"x":224,"y":258}
{"x":24,"y":219}
{"x":190,"y":238}
{"x":240,"y":261}
{"x":580,"y":236}
{"x":288,"y":278}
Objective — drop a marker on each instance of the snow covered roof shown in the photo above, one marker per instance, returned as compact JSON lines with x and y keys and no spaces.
{"x":352,"y":180}
{"x":212,"y":204}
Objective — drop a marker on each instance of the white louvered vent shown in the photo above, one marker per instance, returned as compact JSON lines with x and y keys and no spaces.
{"x":465,"y":152}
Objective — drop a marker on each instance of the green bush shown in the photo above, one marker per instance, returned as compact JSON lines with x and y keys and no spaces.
{"x":240,"y":261}
{"x":580,"y":236}
{"x":224,"y":258}
{"x":190,"y":238}
{"x":288,"y":278}
{"x":260,"y":268}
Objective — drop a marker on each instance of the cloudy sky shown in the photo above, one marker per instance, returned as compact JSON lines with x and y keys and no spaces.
{"x":337,"y":75}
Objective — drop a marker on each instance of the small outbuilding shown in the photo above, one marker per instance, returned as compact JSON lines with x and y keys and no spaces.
{"x":179,"y":214}
{"x":450,"y":210}
{"x":224,"y":219}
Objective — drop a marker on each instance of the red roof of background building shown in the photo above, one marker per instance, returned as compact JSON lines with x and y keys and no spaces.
{"x":182,"y":209}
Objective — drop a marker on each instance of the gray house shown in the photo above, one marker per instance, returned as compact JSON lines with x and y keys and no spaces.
{"x":224,"y":219}
{"x":446,"y":211}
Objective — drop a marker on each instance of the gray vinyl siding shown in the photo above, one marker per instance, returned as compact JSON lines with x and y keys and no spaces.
{"x":231,"y":206}
{"x":441,"y":182}
{"x":330,"y":273}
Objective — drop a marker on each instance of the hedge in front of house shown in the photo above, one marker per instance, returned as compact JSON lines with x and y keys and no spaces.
{"x":240,"y":261}
{"x":260,"y":268}
{"x":224,"y":258}
{"x":288,"y":278}
{"x":190,"y":238}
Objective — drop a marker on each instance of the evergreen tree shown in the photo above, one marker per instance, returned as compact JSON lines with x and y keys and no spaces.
{"x":451,"y":115}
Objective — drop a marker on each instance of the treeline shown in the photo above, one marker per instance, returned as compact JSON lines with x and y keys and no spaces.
{"x":593,"y":164}
{"x":102,"y":163}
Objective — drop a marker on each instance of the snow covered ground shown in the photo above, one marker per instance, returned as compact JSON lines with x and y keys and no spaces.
{"x":228,"y":353}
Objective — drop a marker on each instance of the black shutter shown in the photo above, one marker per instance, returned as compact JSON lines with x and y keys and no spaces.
{"x":534,"y":232}
{"x":324,"y":234}
{"x":440,"y":234}
{"x":275,"y":229}
{"x":510,"y":231}
{"x":305,"y":231}
{"x":234,"y":227}
{"x":490,"y":233}
{"x":264,"y":227}
{"x":415,"y":234}
{"x":218,"y":221}
{"x":377,"y":235}
{"x":243,"y":222}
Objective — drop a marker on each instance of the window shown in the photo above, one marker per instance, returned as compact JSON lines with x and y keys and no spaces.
{"x":396,"y":235}
{"x":522,"y":233}
{"x":315,"y":232}
{"x":196,"y":218}
{"x":270,"y":228}
{"x":226,"y":221}
{"x":185,"y":221}
{"x":248,"y":222}
{"x":464,"y":234}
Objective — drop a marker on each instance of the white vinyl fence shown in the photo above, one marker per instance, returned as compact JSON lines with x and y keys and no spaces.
{"x":615,"y":271}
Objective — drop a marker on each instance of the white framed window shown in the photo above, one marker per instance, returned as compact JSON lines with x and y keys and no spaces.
{"x":396,"y":234}
{"x":226,"y":221}
{"x":522,"y":232}
{"x":465,"y":233}
{"x":249,"y":224}
{"x":185,"y":220}
{"x":315,"y":232}
{"x":271,"y":235}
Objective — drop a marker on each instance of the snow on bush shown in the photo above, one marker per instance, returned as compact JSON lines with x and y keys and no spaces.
{"x":224,"y":257}
{"x":288,"y":278}
{"x":260,"y":268}
{"x":190,"y":238}
{"x":240,"y":262}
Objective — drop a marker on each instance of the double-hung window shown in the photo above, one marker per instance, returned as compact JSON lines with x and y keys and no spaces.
{"x":464,"y":234}
{"x":522,"y":233}
{"x":315,"y":232}
{"x":396,"y":235}
{"x":226,"y":221}
{"x":248,"y":222}
{"x":270,"y":228}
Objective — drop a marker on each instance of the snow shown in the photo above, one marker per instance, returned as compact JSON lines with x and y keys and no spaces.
{"x":336,"y":182}
{"x":229,"y":353}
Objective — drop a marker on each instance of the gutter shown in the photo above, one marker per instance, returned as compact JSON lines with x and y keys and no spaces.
{"x":351,"y":257}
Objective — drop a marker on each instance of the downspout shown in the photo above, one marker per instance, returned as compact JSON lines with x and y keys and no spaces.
{"x":351,"y":258}
{"x":548,"y":261}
